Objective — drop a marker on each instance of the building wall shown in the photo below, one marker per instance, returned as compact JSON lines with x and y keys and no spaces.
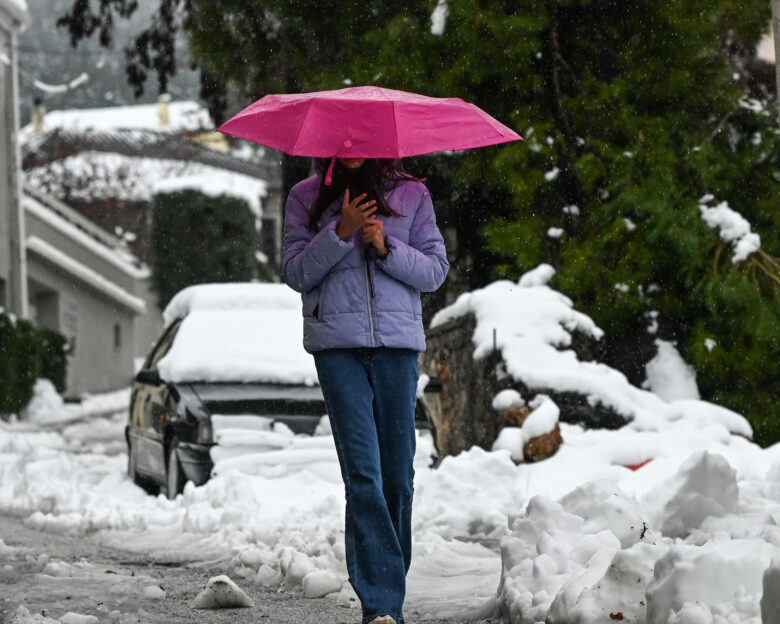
{"x":83,"y":289}
{"x":5,"y":162}
{"x":100,"y":329}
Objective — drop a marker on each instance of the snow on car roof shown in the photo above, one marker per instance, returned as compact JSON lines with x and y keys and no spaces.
{"x":250,"y":332}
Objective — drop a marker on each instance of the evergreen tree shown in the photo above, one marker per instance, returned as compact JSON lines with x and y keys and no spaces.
{"x":632,"y":113}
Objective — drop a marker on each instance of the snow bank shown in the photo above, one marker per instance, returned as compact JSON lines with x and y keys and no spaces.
{"x":237,"y":333}
{"x":732,"y":227}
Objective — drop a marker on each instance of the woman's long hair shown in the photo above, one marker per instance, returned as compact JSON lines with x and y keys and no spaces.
{"x":375,"y":177}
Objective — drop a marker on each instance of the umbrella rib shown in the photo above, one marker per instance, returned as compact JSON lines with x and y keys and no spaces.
{"x":300,"y":127}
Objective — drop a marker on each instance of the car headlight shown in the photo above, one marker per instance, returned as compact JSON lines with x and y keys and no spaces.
{"x":204,"y":433}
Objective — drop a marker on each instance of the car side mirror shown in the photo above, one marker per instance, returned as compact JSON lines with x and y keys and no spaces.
{"x":434,"y":385}
{"x":149,"y":376}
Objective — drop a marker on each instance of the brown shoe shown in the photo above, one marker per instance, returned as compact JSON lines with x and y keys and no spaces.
{"x":383,"y":619}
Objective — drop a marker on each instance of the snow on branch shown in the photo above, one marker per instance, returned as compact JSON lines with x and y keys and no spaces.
{"x":732,"y":226}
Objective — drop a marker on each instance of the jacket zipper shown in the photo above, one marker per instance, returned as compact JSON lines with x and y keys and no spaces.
{"x":369,"y":296}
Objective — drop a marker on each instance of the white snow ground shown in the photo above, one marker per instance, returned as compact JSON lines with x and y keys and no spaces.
{"x":689,"y":537}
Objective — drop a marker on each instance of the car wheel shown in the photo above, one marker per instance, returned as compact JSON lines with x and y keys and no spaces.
{"x":174,"y":476}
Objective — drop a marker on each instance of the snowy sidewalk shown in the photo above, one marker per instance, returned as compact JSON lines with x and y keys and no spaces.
{"x":54,"y":574}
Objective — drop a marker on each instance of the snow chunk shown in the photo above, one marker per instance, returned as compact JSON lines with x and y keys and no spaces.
{"x":422,"y":383}
{"x":552,"y":174}
{"x":221,"y":593}
{"x":321,"y":583}
{"x":155,"y":592}
{"x":439,"y":18}
{"x":710,"y":344}
{"x":23,"y":616}
{"x":669,"y":376}
{"x":511,"y":439}
{"x":704,"y":486}
{"x":539,"y":276}
{"x":717,"y":572}
{"x":621,"y":591}
{"x":542,"y":420}
{"x":548,"y":561}
{"x":506,"y":399}
{"x":605,"y":507}
{"x":78,"y":618}
{"x":555,"y":232}
{"x":733,"y":228}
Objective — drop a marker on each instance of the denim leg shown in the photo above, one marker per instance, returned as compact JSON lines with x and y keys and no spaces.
{"x":393,"y":374}
{"x":376,"y":561}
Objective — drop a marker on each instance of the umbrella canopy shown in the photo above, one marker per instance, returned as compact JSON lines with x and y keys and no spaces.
{"x":366,"y":122}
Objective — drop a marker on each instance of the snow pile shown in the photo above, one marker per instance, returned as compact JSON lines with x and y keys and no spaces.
{"x":533,"y":327}
{"x":669,"y":376}
{"x":237,"y":333}
{"x":732,"y":227}
{"x":597,"y":553}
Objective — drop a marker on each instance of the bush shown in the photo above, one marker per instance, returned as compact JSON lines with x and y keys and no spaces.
{"x":26,"y":354}
{"x":198,"y":239}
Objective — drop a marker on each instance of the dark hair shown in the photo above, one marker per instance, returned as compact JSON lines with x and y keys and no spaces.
{"x":375,"y":177}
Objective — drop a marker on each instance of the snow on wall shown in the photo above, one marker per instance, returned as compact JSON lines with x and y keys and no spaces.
{"x":533,"y":325}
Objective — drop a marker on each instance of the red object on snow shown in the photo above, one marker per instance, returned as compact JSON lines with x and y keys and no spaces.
{"x":638,"y":466}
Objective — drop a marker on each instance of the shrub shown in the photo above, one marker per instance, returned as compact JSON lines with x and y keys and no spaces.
{"x":198,"y":239}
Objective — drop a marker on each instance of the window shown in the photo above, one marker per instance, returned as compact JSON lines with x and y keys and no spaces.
{"x":117,"y":335}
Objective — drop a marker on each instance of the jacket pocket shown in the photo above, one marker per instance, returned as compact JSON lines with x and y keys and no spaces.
{"x":311,"y":303}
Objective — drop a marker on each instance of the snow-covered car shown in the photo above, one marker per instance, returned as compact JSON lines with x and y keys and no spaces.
{"x":227,"y":350}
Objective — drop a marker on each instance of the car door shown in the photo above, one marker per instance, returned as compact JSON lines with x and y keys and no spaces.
{"x":150,"y":406}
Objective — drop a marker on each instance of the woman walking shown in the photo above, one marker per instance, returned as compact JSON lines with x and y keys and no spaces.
{"x":360,"y":250}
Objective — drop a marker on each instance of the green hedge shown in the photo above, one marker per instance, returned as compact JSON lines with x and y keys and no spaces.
{"x":26,"y":354}
{"x":200,"y":239}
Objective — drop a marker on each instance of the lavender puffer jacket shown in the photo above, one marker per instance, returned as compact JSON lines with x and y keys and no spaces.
{"x":349,"y":301}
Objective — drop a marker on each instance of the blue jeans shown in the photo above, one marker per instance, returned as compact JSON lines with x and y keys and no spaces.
{"x":370,"y":394}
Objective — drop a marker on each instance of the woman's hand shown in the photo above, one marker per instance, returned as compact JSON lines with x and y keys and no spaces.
{"x":374,"y":234}
{"x":354,"y":215}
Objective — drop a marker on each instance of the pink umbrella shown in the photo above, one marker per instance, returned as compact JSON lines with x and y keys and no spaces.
{"x":365,"y":122}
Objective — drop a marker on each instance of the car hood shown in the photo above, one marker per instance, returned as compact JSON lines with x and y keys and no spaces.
{"x":261,"y":399}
